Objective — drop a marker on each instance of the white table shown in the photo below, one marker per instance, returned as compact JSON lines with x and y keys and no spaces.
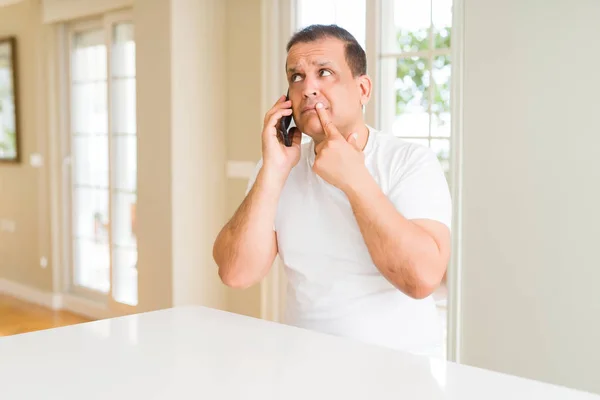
{"x":200,"y":353}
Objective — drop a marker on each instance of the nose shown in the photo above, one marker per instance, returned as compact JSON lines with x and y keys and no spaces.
{"x":309,"y":93}
{"x":310,"y":89}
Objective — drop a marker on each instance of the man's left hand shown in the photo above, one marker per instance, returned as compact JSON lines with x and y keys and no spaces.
{"x":339,"y":160}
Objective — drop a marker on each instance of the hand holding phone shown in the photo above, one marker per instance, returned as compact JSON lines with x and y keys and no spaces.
{"x":280,"y":143}
{"x":284,"y":125}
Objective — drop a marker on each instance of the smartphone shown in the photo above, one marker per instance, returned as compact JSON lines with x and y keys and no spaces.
{"x":284,"y":125}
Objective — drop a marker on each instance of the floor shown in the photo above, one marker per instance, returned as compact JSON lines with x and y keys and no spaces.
{"x":17,"y":317}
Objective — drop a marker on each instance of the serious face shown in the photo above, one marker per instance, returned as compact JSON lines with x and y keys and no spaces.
{"x":317,"y":72}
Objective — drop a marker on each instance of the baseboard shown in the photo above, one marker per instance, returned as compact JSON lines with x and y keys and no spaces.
{"x":77,"y":305}
{"x":31,"y":294}
{"x":84,"y":307}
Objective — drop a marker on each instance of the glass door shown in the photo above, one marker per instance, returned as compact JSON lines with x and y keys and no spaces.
{"x":103,"y":143}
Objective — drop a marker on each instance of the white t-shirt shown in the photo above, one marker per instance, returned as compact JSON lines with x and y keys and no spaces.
{"x":333,"y":284}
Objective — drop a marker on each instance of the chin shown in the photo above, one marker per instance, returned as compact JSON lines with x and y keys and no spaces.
{"x":312,"y":127}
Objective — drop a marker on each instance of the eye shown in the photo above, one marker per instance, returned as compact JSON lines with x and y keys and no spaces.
{"x":325,"y":72}
{"x":295,"y":78}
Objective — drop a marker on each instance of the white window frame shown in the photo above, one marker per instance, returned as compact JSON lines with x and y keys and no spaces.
{"x":84,"y":300}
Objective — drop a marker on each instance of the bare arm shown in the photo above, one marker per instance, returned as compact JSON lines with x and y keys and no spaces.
{"x":247,"y":245}
{"x":411,"y":254}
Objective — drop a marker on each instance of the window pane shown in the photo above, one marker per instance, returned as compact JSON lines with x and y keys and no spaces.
{"x":123,"y":79}
{"x":125,"y":163}
{"x":88,"y":60}
{"x":440,"y":107}
{"x":349,"y":14}
{"x":442,"y":22}
{"x":422,"y":142}
{"x":123,"y":51}
{"x":123,"y":105}
{"x":409,"y":30}
{"x":92,"y":259}
{"x":89,"y":107}
{"x":410,"y":111}
{"x":89,"y":147}
{"x":441,"y":147}
{"x":124,"y":214}
{"x":440,"y":125}
{"x":88,"y":83}
{"x":90,"y":160}
{"x":90,"y":208}
{"x":125,"y":275}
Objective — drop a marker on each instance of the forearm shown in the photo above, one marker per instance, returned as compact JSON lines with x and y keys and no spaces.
{"x":403,"y":251}
{"x":246,"y":246}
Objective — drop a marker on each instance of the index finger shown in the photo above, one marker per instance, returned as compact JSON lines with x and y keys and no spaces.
{"x":328,"y":127}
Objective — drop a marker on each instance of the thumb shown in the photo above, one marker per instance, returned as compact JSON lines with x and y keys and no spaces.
{"x":352,"y":138}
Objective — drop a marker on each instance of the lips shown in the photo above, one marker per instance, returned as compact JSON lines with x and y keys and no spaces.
{"x":310,"y":108}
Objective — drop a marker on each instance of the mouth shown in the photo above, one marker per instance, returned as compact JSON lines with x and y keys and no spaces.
{"x":310,"y":109}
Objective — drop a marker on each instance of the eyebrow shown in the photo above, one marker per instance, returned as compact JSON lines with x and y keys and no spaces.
{"x":320,"y":63}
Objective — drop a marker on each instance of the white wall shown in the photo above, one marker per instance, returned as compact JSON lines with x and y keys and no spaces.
{"x":531,"y":271}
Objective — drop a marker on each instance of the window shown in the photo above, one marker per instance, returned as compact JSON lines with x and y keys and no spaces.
{"x":414,"y":83}
{"x":414,"y":67}
{"x":349,"y":14}
{"x":103,"y":142}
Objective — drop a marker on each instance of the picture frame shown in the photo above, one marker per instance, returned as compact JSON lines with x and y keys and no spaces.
{"x":9,"y":102}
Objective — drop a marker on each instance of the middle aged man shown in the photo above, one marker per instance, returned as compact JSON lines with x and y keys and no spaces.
{"x":361,"y":219}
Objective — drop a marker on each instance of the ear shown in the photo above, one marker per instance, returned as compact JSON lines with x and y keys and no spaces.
{"x":365,"y":86}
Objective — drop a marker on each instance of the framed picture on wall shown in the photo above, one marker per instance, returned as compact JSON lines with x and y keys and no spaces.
{"x":9,"y":120}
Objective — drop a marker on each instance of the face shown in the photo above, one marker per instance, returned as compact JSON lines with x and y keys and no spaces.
{"x":318,"y":72}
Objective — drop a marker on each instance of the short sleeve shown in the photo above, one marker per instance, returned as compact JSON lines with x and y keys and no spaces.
{"x":419,"y":189}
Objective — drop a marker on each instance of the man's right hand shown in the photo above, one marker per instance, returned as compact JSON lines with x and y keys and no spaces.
{"x":246,"y":247}
{"x":278,"y":159}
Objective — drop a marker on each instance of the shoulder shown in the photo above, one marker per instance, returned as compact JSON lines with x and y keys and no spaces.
{"x":401,"y":157}
{"x":414,"y":177}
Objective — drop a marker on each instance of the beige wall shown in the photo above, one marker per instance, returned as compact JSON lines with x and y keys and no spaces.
{"x":171,"y":121}
{"x":153,"y":51}
{"x":23,"y":188}
{"x":182,"y":136}
{"x":244,"y":119}
{"x":198,"y":147}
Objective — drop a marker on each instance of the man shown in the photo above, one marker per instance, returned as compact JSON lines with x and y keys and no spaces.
{"x":361,"y":219}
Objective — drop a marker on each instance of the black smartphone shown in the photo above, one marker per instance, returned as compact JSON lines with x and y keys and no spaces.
{"x":284,"y":125}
